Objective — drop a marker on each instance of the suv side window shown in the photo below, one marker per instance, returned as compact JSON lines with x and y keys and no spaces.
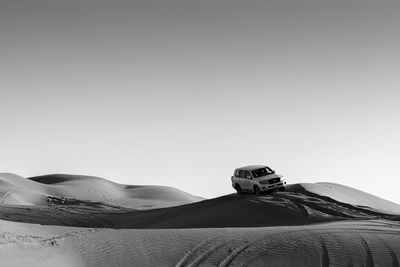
{"x":248,"y":175}
{"x":237,"y":173}
{"x":242,"y":174}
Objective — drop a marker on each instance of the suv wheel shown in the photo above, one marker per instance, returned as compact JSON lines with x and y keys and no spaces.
{"x":238,"y":189}
{"x":256,"y":190}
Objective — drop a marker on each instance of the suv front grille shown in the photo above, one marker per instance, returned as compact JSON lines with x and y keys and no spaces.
{"x":273,"y":181}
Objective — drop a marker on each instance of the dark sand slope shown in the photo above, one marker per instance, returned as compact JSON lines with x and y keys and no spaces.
{"x":308,"y":225}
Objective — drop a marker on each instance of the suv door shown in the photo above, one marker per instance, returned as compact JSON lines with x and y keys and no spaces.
{"x":248,"y":181}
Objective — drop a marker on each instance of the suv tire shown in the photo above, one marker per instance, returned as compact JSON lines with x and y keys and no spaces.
{"x":256,"y":190}
{"x":238,"y":189}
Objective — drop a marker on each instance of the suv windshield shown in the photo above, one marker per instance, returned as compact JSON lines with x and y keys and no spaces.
{"x":261,"y":172}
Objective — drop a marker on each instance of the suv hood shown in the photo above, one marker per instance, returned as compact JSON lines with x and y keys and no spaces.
{"x":269,"y":176}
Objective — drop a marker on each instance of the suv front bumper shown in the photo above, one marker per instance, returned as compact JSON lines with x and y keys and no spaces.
{"x":266,"y":187}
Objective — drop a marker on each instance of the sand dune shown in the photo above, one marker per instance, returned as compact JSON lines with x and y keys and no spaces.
{"x":352,"y":196}
{"x":15,"y":189}
{"x":18,"y":190}
{"x":107,"y":224}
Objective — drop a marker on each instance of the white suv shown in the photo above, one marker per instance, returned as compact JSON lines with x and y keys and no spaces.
{"x":257,"y":179}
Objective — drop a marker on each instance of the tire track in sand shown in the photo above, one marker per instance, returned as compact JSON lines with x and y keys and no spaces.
{"x":325,"y":254}
{"x":395,"y":260}
{"x":369,"y":260}
{"x":204,"y":248}
{"x":225,"y":262}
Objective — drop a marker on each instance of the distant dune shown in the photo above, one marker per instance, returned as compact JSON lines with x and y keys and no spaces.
{"x":352,"y":196}
{"x":18,"y":190}
{"x":72,"y":220}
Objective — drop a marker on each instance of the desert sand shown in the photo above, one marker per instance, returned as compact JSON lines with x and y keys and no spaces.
{"x":69,"y":220}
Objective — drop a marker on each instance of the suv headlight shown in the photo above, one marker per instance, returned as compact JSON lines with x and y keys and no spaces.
{"x":264,"y":182}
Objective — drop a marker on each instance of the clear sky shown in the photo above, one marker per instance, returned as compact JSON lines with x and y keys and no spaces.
{"x":180,"y":93}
